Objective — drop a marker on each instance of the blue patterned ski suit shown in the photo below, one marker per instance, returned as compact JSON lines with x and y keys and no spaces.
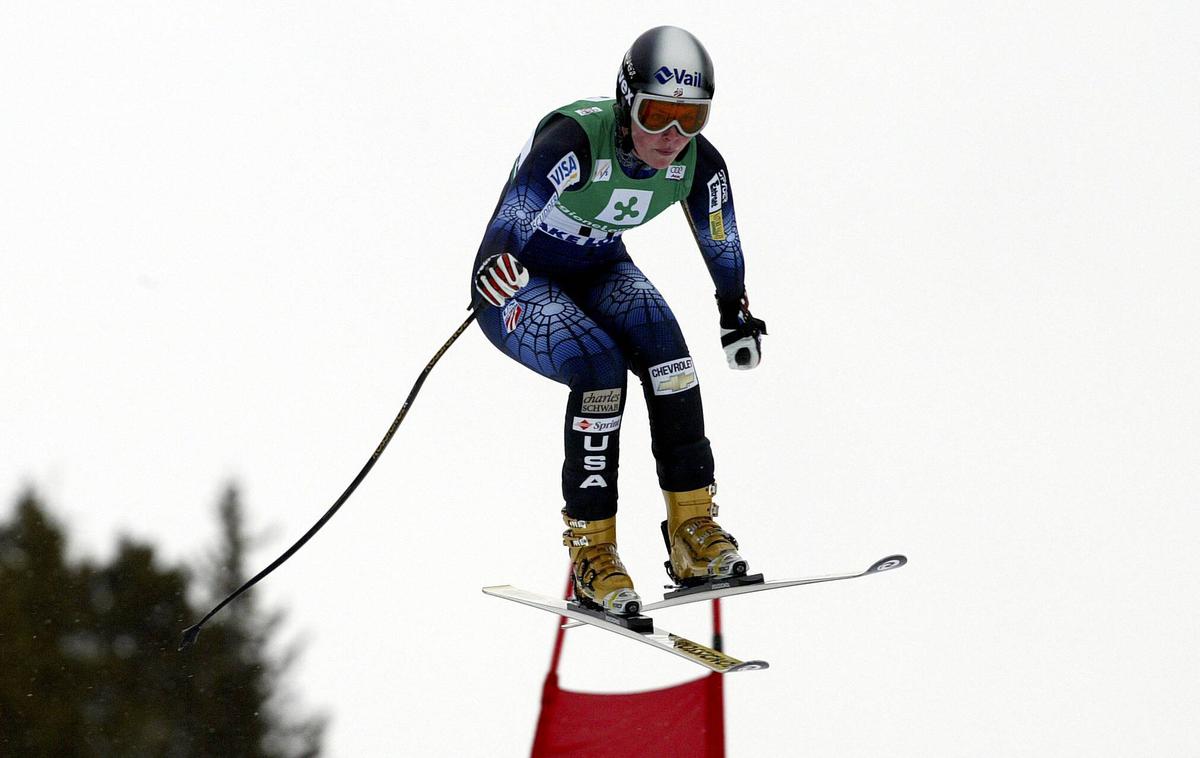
{"x":589,"y":316}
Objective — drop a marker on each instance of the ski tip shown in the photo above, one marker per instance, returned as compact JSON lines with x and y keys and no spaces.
{"x":887,"y":564}
{"x":748,"y":666}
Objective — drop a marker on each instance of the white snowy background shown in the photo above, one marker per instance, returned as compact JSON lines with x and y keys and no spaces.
{"x":231,"y":235}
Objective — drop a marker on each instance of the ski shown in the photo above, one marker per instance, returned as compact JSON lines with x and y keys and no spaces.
{"x":640,"y":628}
{"x":741,"y":585}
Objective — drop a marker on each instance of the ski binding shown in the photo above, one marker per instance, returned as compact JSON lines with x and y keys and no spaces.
{"x":636,"y":627}
{"x":728,"y":586}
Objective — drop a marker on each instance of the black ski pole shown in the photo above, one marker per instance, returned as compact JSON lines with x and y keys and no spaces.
{"x":193,"y":632}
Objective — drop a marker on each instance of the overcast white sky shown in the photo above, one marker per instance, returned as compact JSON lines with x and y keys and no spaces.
{"x":231,"y":234}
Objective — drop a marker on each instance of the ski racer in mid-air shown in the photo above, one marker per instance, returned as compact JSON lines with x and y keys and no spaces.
{"x":572,"y":305}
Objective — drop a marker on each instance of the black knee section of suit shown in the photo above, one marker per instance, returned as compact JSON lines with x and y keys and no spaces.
{"x":682,"y":452}
{"x":685,"y":467}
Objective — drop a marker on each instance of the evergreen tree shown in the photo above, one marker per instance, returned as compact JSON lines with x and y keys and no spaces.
{"x":90,"y":666}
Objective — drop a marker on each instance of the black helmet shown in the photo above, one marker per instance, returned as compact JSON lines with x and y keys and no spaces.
{"x":667,"y":61}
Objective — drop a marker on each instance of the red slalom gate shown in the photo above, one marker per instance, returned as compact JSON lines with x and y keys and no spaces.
{"x":683,"y":721}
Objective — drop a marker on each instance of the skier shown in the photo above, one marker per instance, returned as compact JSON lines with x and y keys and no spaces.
{"x":571,"y":304}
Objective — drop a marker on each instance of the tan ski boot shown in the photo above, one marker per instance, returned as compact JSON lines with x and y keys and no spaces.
{"x":700,"y":549}
{"x":600,"y":578}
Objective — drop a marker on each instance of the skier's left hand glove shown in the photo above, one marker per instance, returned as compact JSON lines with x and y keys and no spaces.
{"x":741,"y":333}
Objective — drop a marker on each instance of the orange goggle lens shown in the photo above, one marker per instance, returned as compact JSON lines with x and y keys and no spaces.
{"x":656,"y":116}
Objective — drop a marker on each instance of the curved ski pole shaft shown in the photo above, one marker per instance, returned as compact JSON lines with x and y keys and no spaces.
{"x":192,"y":632}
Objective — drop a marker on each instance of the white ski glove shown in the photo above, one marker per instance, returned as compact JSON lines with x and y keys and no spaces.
{"x":741,"y":334}
{"x":499,"y":278}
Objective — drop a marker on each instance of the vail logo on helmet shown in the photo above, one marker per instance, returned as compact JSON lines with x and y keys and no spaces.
{"x":685,"y":77}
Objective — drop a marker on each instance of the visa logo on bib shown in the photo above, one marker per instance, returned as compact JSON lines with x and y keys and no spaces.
{"x":681,"y":76}
{"x":565,"y":173}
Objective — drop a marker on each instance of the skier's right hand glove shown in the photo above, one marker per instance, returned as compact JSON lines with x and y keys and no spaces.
{"x":499,"y":278}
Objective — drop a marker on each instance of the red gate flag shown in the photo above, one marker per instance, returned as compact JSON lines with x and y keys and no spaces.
{"x":684,"y":721}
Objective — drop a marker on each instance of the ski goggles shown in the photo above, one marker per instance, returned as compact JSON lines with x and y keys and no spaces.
{"x":656,"y":114}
